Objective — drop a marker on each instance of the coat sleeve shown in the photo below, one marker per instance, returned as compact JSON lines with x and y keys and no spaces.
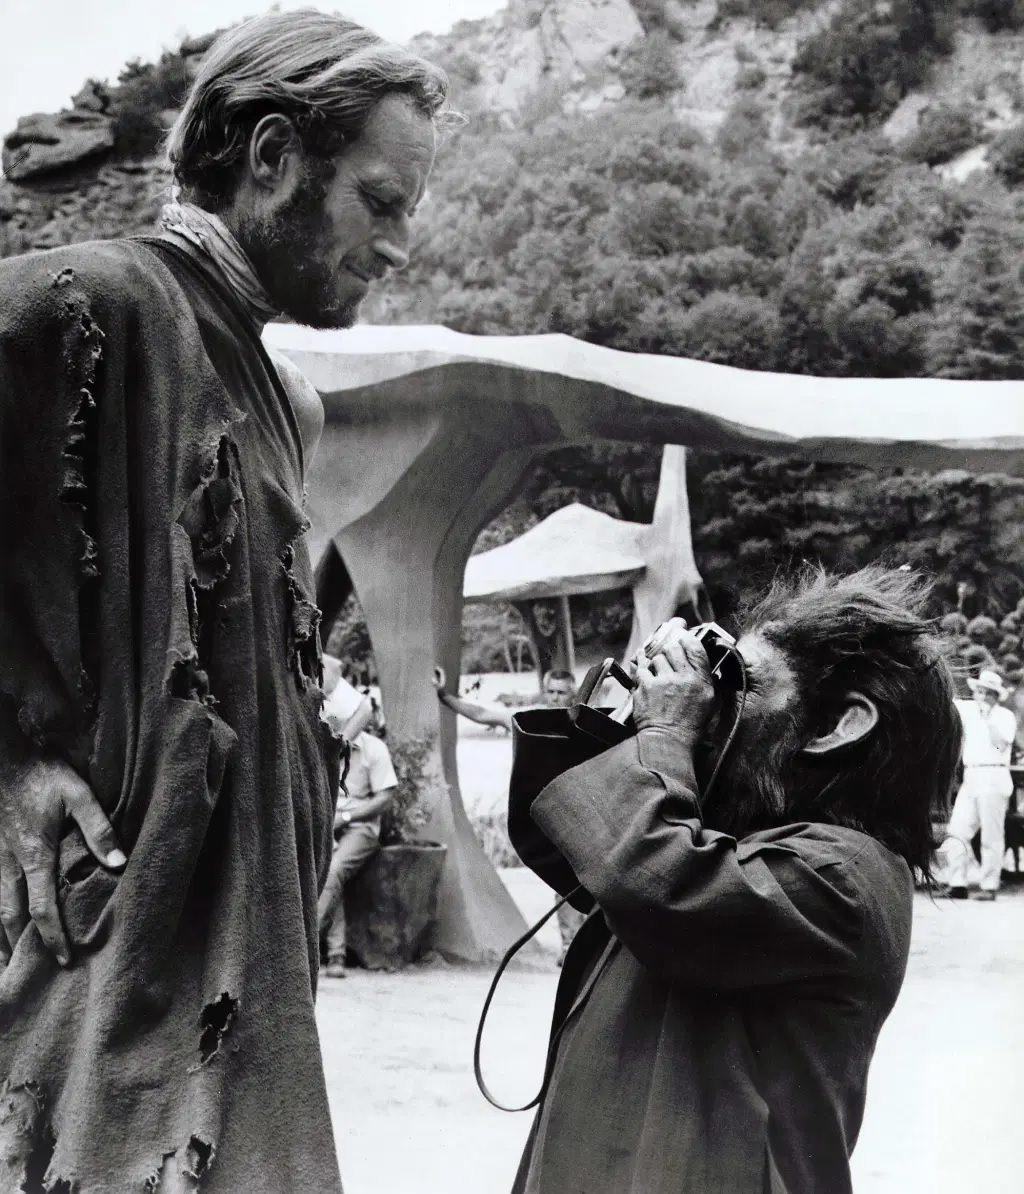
{"x":50,"y":353}
{"x":543,"y":746}
{"x":539,"y":852}
{"x":692,"y":904}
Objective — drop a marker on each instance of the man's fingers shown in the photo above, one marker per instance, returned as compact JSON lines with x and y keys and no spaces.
{"x":660,"y":665}
{"x":92,"y":820}
{"x":665,"y":633}
{"x":13,"y":901}
{"x":41,"y":880}
{"x":676,"y":655}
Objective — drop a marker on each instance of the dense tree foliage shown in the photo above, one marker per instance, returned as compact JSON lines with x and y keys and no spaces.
{"x":631,"y":229}
{"x":139,"y":104}
{"x":869,"y":56}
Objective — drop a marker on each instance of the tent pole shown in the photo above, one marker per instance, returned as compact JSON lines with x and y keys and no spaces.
{"x":565,"y":632}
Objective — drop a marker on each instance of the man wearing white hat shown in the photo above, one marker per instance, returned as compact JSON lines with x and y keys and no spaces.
{"x":984,"y":795}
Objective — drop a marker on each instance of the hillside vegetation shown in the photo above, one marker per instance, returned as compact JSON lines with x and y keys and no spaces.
{"x":833,"y":188}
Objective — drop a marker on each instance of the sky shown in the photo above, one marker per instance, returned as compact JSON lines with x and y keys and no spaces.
{"x":48,"y":48}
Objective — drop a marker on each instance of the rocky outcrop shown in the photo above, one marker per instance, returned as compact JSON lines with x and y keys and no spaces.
{"x":117,"y":199}
{"x":43,"y":144}
{"x":505,"y":58}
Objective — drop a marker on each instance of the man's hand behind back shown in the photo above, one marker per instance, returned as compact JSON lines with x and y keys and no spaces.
{"x":36,"y":800}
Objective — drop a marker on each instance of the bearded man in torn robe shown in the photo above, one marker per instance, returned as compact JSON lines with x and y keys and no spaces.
{"x":166,"y":781}
{"x":718,"y":1010}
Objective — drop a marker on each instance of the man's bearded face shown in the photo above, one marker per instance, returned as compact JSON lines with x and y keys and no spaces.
{"x":338,"y":226}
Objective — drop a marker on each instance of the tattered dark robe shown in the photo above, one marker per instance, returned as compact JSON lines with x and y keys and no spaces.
{"x":157,"y":630}
{"x":721,"y":1005}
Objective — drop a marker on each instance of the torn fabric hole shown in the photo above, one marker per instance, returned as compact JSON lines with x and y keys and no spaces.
{"x":304,"y":627}
{"x":212,"y":513}
{"x":198,"y":1158}
{"x":26,"y":1138}
{"x":215,"y":1022}
{"x":189,"y":682}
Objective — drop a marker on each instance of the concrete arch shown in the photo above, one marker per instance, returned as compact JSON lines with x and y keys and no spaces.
{"x":430,"y":433}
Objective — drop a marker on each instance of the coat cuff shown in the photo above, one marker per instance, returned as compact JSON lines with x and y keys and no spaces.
{"x":671,"y":758}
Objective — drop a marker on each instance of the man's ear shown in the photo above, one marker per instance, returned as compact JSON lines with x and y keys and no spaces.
{"x":273,"y":147}
{"x":858,"y":718}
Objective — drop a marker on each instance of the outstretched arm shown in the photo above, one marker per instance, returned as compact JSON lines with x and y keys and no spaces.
{"x":484,"y":715}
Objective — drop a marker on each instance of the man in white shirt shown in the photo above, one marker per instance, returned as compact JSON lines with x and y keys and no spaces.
{"x":984,"y":795}
{"x":369,"y":786}
{"x":346,"y":710}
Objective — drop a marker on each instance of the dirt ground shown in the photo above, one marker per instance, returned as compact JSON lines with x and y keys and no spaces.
{"x":945,"y":1104}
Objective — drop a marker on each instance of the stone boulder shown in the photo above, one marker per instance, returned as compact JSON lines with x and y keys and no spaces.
{"x":42,"y":143}
{"x":533,"y":43}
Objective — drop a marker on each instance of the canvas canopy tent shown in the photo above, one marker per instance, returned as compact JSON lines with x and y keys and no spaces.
{"x":430,"y":434}
{"x":578,"y":550}
{"x":575,"y":550}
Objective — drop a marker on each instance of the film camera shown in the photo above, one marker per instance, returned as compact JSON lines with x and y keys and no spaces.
{"x":727,"y":672}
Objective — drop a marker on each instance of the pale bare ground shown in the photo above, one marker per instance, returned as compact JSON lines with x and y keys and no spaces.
{"x":946,"y":1098}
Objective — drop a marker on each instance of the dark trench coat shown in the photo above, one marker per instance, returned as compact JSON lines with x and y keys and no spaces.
{"x":721,"y":1005}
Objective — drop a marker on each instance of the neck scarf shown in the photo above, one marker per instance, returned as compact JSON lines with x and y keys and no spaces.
{"x":192,"y":225}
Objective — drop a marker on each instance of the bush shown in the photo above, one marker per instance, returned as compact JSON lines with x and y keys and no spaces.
{"x":953,"y":624}
{"x":997,"y":15}
{"x":463,"y":70}
{"x":733,"y":329}
{"x":868,"y":57}
{"x":942,"y":134}
{"x":765,"y":12}
{"x":744,"y":128}
{"x":655,"y":15}
{"x":983,"y":630}
{"x":491,"y":830}
{"x":751,"y":77}
{"x":649,"y":67}
{"x":1007,"y":156}
{"x":663,"y":220}
{"x":144,"y":92}
{"x":977,"y":657}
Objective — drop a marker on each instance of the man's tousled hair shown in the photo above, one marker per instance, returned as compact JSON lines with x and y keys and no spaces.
{"x":324,"y":72}
{"x":868,"y":633}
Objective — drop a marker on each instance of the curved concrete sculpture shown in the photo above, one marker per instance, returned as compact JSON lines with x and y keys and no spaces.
{"x":580,"y":550}
{"x":430,"y":433}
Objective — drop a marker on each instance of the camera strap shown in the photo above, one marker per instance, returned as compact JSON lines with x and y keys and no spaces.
{"x":549,"y":1059}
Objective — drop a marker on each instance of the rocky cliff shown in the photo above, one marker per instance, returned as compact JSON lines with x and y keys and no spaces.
{"x":77,"y":174}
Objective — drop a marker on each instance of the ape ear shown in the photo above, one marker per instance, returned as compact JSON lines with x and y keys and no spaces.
{"x":858,"y":718}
